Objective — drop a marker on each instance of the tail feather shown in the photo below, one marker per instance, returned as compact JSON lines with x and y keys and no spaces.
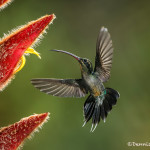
{"x":95,"y":118}
{"x":106,"y":107}
{"x":112,"y":95}
{"x":102,"y":112}
{"x":95,"y":115}
{"x":95,"y":110}
{"x":89,"y":108}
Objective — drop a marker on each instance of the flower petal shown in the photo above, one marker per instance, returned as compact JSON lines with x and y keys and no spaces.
{"x":12,"y":47}
{"x":12,"y":137}
{"x":4,"y":3}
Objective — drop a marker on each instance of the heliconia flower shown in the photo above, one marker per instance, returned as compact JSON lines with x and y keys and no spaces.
{"x":13,"y":136}
{"x":4,"y":3}
{"x":14,"y":46}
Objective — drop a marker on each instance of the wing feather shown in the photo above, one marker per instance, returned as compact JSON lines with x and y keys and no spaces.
{"x":104,"y":55}
{"x":61,"y":87}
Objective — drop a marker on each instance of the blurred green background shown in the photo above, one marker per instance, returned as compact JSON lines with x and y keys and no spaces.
{"x":76,"y":29}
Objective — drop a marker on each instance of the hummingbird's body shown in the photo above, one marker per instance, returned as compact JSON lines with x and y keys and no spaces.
{"x":101,"y":99}
{"x":94,"y":85}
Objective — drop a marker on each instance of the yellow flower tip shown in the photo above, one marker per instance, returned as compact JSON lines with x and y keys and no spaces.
{"x":39,"y":56}
{"x":20,"y":64}
{"x":23,"y":59}
{"x":32,"y":51}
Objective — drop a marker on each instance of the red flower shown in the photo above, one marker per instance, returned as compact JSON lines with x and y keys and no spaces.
{"x":12,"y":137}
{"x":13,"y":47}
{"x":4,"y":3}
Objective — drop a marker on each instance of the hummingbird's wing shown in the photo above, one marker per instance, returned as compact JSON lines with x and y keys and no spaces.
{"x":61,"y":87}
{"x":104,"y":54}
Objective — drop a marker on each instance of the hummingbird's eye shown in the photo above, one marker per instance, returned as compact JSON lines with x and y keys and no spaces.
{"x":85,"y":60}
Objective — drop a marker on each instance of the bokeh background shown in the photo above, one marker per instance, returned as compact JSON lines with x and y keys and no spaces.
{"x":76,"y":29}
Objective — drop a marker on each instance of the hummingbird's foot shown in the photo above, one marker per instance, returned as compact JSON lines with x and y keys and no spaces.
{"x":23,"y":59}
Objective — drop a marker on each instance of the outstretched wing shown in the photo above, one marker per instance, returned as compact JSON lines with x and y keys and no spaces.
{"x":104,"y":54}
{"x":61,"y":87}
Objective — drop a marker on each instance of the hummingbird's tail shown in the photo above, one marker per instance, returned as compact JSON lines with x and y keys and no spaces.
{"x":99,"y":107}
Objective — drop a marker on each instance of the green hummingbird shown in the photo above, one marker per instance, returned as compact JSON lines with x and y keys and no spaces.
{"x":101,"y":99}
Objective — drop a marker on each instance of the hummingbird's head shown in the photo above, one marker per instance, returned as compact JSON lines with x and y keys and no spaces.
{"x":85,"y":64}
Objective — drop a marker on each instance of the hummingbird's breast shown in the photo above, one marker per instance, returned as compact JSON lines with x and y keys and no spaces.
{"x":94,"y":85}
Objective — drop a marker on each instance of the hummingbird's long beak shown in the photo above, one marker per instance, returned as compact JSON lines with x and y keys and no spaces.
{"x":76,"y":57}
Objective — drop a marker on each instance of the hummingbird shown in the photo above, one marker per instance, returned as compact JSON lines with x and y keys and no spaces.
{"x":100,"y":101}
